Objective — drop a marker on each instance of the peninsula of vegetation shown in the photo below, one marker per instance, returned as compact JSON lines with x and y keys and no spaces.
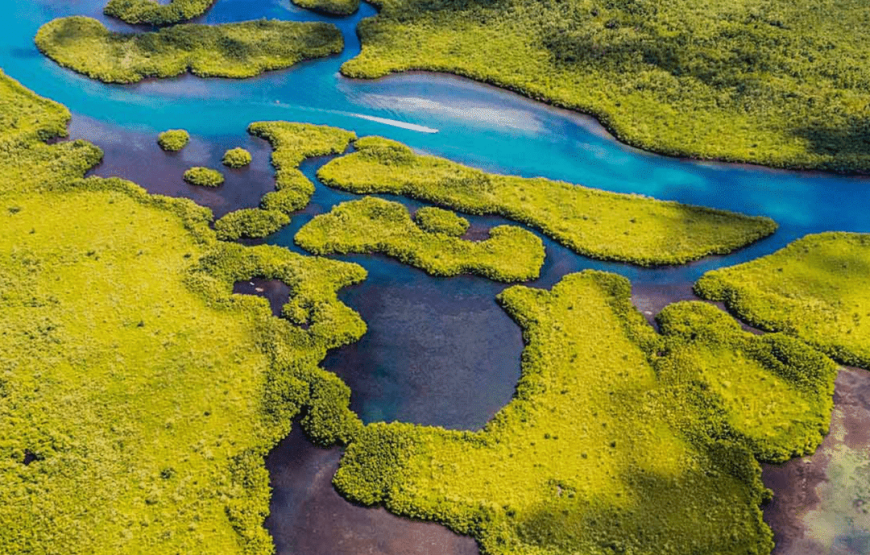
{"x":618,"y":440}
{"x":816,"y":289}
{"x":138,"y":395}
{"x":374,"y":225}
{"x":598,"y":224}
{"x":331,"y":7}
{"x":151,"y":12}
{"x":235,"y":50}
{"x":779,"y":83}
{"x":173,"y":140}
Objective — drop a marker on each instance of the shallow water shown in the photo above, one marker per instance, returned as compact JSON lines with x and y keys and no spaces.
{"x":438,"y":351}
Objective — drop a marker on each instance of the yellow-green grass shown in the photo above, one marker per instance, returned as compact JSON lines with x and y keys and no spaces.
{"x":617,"y":440}
{"x":236,"y":158}
{"x":598,"y":224}
{"x":235,"y":50}
{"x":138,"y":395}
{"x":204,"y":177}
{"x":374,"y":225}
{"x":151,"y":12}
{"x":333,"y":7}
{"x":817,"y":289}
{"x":173,"y":140}
{"x":291,"y":144}
{"x":782,"y":83}
{"x":436,"y":220}
{"x":251,"y":223}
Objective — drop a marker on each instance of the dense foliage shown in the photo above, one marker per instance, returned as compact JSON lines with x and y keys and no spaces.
{"x":236,"y":158}
{"x":599,"y":453}
{"x":816,"y":289}
{"x":250,"y":223}
{"x":173,"y":140}
{"x":138,"y":396}
{"x":609,"y":226}
{"x":291,"y":144}
{"x":236,"y":50}
{"x":374,"y":225}
{"x":204,"y":177}
{"x":154,"y":13}
{"x":437,"y":220}
{"x":332,"y":7}
{"x":775,"y":82}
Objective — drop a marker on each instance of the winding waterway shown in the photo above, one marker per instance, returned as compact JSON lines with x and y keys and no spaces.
{"x":439,"y":351}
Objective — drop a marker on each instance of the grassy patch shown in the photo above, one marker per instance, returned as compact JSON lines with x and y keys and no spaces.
{"x":173,"y":140}
{"x":236,"y":50}
{"x":816,"y":289}
{"x":204,"y":177}
{"x":436,"y":220}
{"x":236,"y":158}
{"x":779,"y":83}
{"x":608,"y":226}
{"x":597,"y":453}
{"x":332,"y":7}
{"x":376,"y":225}
{"x":138,"y":396}
{"x":250,"y":223}
{"x":151,"y":12}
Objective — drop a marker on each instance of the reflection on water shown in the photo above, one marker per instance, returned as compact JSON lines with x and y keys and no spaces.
{"x":441,"y":351}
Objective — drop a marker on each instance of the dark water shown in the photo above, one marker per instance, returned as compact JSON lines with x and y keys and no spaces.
{"x":438,"y":351}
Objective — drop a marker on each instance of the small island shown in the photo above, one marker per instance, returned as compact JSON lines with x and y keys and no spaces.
{"x":204,"y":177}
{"x":151,"y":12}
{"x":250,"y":223}
{"x":173,"y":140}
{"x":236,"y":158}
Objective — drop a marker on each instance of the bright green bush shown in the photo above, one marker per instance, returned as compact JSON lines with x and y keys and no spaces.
{"x":599,"y":224}
{"x":780,"y":83}
{"x":332,"y":7}
{"x":138,"y":395}
{"x":436,"y":220}
{"x":153,"y":13}
{"x":173,"y":140}
{"x":816,"y":289}
{"x":236,"y":50}
{"x":618,"y":440}
{"x":204,"y":177}
{"x":375,"y":225}
{"x":291,"y":144}
{"x":251,"y":223}
{"x":236,"y":158}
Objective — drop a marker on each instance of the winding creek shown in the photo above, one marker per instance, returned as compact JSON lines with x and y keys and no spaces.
{"x":440,"y":351}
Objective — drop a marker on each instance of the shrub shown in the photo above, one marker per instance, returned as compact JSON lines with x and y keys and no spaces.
{"x":204,"y":177}
{"x":173,"y":140}
{"x":251,"y":223}
{"x":236,"y":158}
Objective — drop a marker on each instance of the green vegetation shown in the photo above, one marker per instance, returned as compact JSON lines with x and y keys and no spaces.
{"x":204,"y":177}
{"x":816,"y":289}
{"x":597,"y":453}
{"x":251,"y":223}
{"x":151,"y":12}
{"x":138,"y":395}
{"x":291,"y":144}
{"x":376,"y":225}
{"x":780,"y":83}
{"x":608,"y":226}
{"x":236,"y":50}
{"x":236,"y":158}
{"x":332,"y":7}
{"x":436,"y":220}
{"x":173,"y":140}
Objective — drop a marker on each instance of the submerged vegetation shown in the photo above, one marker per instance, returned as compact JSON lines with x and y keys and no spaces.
{"x":236,"y":158}
{"x":236,"y":50}
{"x":332,"y":7}
{"x":251,"y":223}
{"x":375,"y":225}
{"x":173,"y":140}
{"x":204,"y":177}
{"x":816,"y":289}
{"x":779,"y":83}
{"x":138,"y":396}
{"x":599,"y":224}
{"x":152,"y":12}
{"x":597,"y":453}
